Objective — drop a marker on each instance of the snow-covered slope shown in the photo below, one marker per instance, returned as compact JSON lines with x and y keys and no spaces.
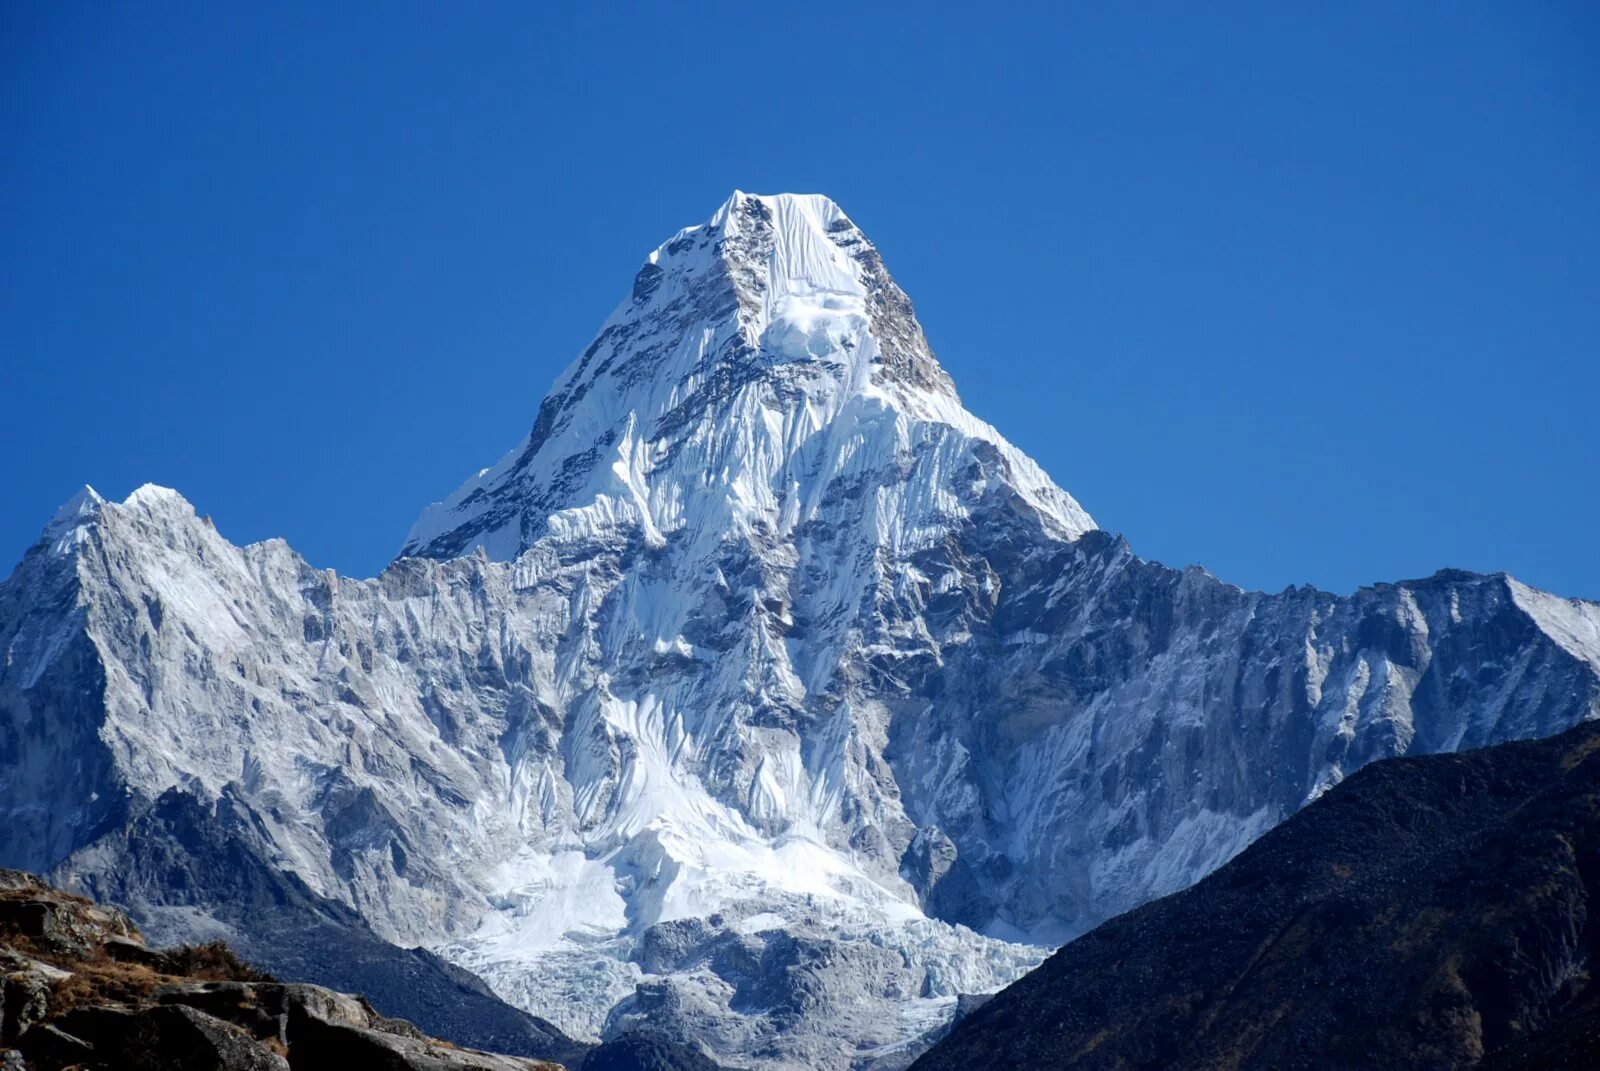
{"x":742,"y":696}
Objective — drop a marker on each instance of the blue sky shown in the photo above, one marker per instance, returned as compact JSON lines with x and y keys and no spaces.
{"x":1304,"y":293}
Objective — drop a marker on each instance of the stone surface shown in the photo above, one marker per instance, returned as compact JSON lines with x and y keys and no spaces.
{"x":24,"y":1000}
{"x":319,"y":1043}
{"x":47,"y":1047}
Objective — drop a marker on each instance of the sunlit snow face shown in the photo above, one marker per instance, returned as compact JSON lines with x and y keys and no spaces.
{"x":815,"y":326}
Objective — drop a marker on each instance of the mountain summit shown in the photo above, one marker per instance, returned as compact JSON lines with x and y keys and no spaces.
{"x":760,"y":359}
{"x":762,"y":702}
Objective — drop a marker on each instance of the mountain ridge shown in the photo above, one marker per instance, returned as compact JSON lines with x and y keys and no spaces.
{"x":1430,"y":912}
{"x":767,"y":716}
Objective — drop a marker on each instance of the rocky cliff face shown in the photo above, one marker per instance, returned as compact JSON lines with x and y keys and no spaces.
{"x":762,"y":698}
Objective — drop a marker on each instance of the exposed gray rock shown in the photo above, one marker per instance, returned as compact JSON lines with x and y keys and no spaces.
{"x":127,"y":950}
{"x":24,"y":1000}
{"x":47,"y":1047}
{"x":168,"y":1038}
{"x":645,"y":1052}
{"x":259,"y":1010}
{"x":319,"y":1043}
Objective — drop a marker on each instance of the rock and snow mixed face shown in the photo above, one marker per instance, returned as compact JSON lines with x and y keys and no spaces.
{"x":764,"y":361}
{"x":761,"y":695}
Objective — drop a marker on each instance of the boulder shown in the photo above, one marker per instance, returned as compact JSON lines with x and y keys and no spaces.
{"x":178,"y":1038}
{"x":326,"y":1004}
{"x":262,"y":1009}
{"x":164,"y":1038}
{"x":24,"y":1000}
{"x":319,"y":1044}
{"x":47,"y":1047}
{"x":127,"y":950}
{"x":257,"y":1009}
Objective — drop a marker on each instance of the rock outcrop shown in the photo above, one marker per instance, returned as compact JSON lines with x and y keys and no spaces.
{"x":81,"y":989}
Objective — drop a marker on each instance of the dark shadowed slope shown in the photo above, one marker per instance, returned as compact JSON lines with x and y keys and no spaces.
{"x":179,"y":865}
{"x":1429,"y":912}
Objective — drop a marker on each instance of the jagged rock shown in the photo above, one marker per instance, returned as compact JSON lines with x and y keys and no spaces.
{"x":180,"y":1037}
{"x":317,"y":1043}
{"x":126,"y":1007}
{"x":127,"y":950}
{"x":164,"y":1038}
{"x":47,"y":1047}
{"x":24,"y":1000}
{"x":262,"y":1008}
{"x":103,"y":1027}
{"x":257,"y":1009}
{"x":644,"y":1052}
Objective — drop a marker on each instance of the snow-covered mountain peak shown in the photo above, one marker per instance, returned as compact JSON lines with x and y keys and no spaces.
{"x":63,"y":533}
{"x":759,"y":358}
{"x":83,"y":504}
{"x":79,"y":509}
{"x":814,"y":212}
{"x":726,"y":702}
{"x":88,"y":507}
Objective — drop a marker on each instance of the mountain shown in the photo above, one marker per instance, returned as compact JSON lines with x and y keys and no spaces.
{"x":760,"y":703}
{"x":1431,"y":912}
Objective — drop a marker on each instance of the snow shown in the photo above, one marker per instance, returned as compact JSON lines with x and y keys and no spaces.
{"x":65,"y":530}
{"x":1573,"y":623}
{"x":81,"y":506}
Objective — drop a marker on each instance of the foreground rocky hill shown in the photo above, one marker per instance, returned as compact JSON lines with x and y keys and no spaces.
{"x":762,"y":703}
{"x":1438,"y":912}
{"x":79,"y":988}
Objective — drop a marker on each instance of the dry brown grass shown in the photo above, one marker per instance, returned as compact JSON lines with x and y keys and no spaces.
{"x":102,"y":980}
{"x":213,"y":962}
{"x":99,"y":979}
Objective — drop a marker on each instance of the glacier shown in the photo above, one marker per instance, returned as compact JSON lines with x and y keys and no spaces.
{"x":761,"y":697}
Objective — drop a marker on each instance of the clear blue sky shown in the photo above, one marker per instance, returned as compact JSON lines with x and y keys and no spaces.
{"x":1304,"y":293}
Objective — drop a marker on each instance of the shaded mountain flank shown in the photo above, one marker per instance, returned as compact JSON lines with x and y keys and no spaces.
{"x":1433,"y":912}
{"x":181,"y":867}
